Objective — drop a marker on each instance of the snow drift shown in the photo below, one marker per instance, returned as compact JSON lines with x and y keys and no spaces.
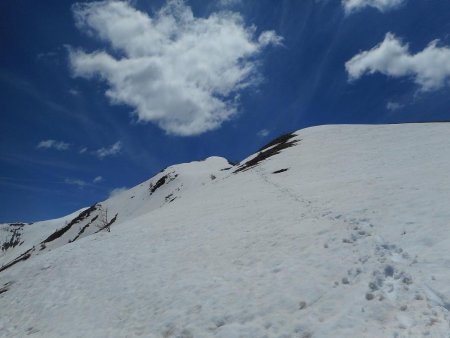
{"x":333,"y":231}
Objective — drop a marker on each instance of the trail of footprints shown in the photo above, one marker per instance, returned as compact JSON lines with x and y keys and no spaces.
{"x":416,"y":311}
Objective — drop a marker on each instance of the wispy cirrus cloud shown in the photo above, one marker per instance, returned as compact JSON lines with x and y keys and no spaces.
{"x":101,"y":153}
{"x":76,"y":182}
{"x":113,"y":150}
{"x":263,"y":133}
{"x":53,"y":144}
{"x":226,"y":3}
{"x":394,"y":106}
{"x":80,"y":183}
{"x":178,"y":71}
{"x":97,"y":179}
{"x":351,"y":6}
{"x":429,"y":68}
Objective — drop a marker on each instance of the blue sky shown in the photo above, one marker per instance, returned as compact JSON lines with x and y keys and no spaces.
{"x":97,"y":96}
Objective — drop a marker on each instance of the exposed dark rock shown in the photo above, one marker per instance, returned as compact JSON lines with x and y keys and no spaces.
{"x":280,"y":171}
{"x":280,"y":139}
{"x":107,"y":226}
{"x":270,"y":149}
{"x":14,"y":240}
{"x":169,"y":198}
{"x":84,"y":228}
{"x":82,"y":216}
{"x":5,"y":287}
{"x":165,"y":179}
{"x":18,"y":224}
{"x":22,"y":257}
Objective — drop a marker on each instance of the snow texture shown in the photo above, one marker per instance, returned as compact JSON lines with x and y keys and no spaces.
{"x":345,"y":233}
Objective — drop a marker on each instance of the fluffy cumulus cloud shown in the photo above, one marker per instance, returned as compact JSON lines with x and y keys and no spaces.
{"x":382,"y":5}
{"x":429,"y":68}
{"x":181,"y":72}
{"x":114,"y":149}
{"x":53,"y":144}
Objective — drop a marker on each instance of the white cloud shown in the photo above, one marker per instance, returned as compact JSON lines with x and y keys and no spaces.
{"x":382,"y":5}
{"x":117,"y":191}
{"x":53,"y":144}
{"x":115,"y":149}
{"x":98,"y":179}
{"x":83,"y":150}
{"x":393,"y":106}
{"x":74,"y":92}
{"x":82,"y":184}
{"x":429,"y":68}
{"x":180,"y":72}
{"x":79,"y":183}
{"x":263,"y":133}
{"x":46,"y":55}
{"x":227,"y":3}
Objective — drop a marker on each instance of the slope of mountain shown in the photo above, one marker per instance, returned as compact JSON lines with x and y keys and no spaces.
{"x":333,"y":231}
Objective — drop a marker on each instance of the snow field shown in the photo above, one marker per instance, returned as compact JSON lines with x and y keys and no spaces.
{"x":351,"y":241}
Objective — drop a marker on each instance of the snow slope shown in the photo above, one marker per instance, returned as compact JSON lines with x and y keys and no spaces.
{"x":352,"y":240}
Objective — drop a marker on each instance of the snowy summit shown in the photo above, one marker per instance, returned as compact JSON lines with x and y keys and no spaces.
{"x":332,"y":231}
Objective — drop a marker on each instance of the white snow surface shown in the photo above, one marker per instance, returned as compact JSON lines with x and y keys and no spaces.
{"x":352,"y":240}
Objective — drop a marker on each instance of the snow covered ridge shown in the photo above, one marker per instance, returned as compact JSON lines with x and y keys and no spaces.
{"x":333,"y":231}
{"x":155,"y":193}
